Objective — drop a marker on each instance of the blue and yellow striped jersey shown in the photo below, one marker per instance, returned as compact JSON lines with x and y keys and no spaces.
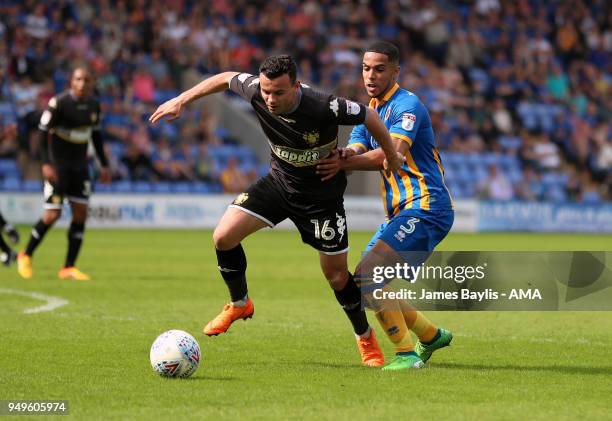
{"x":419,"y":183}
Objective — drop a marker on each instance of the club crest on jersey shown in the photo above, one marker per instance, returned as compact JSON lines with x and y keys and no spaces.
{"x":408,"y":121}
{"x":242,"y":197}
{"x":94,"y":117}
{"x":312,"y":138}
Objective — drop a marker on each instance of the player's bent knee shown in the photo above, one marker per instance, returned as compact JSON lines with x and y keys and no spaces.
{"x":50,"y":217}
{"x":336,"y":279}
{"x":223,"y":240}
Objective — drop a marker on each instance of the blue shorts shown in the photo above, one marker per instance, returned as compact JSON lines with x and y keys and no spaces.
{"x":414,"y":230}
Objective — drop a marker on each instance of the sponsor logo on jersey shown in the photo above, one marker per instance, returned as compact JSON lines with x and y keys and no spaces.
{"x":302,"y":157}
{"x":76,"y":135}
{"x":333,"y":105}
{"x":387,"y":114}
{"x":408,"y":121}
{"x":312,"y":138}
{"x":352,"y":108}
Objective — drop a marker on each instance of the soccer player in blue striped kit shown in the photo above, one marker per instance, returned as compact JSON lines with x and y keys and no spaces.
{"x":417,"y":203}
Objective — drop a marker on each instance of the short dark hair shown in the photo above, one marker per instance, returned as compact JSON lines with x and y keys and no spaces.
{"x":81,"y":66}
{"x":386,"y":48}
{"x":276,"y":66}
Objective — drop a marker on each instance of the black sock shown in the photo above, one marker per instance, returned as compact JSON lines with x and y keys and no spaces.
{"x":350,"y":300}
{"x":232,"y":265}
{"x":38,"y":233}
{"x":3,"y":246}
{"x":75,"y":239}
{"x":2,"y":221}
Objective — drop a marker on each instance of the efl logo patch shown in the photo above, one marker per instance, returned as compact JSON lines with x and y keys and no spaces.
{"x":408,"y":121}
{"x":352,"y":108}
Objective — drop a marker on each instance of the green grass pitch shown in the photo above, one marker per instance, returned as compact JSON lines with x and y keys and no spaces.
{"x":296,"y":359}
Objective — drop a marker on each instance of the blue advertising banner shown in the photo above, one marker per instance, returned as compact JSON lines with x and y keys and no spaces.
{"x":544,"y":217}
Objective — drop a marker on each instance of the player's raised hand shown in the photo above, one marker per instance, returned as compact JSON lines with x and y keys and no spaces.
{"x":49,"y":173}
{"x":395,"y":164}
{"x":172,"y":108}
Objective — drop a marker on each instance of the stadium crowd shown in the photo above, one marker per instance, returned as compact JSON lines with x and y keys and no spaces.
{"x":519,"y":91}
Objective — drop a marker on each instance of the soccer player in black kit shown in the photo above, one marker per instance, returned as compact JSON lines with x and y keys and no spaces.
{"x":70,"y":122}
{"x":7,"y":254}
{"x":301,"y":125}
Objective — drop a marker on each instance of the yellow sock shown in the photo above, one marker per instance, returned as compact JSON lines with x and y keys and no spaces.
{"x":417,"y":322}
{"x":392,"y":321}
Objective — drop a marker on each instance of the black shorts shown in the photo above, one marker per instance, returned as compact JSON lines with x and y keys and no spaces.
{"x":322,"y":225}
{"x":72,"y":184}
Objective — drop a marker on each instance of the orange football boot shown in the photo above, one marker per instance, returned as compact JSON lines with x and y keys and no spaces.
{"x":371,"y":354}
{"x":24,"y":265}
{"x":73,"y":273}
{"x":229,"y":315}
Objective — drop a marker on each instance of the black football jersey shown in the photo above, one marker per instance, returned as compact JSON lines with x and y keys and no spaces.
{"x":71,"y":123}
{"x":300,"y":139}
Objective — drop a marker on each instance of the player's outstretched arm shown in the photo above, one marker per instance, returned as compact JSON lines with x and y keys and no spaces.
{"x":174,"y":107}
{"x":349,"y":159}
{"x":393,"y":159}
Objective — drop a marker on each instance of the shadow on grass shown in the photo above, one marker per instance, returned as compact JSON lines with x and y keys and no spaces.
{"x":202,"y":378}
{"x":552,"y":368}
{"x":326,"y":364}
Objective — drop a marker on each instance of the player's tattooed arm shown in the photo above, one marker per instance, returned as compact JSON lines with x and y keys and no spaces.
{"x":173,"y":108}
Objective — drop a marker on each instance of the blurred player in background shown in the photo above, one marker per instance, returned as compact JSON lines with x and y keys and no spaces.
{"x":7,"y":255}
{"x":70,"y":122}
{"x":302,"y":127}
{"x":418,"y":204}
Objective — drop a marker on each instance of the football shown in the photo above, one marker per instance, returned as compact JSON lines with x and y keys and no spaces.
{"x":175,"y":353}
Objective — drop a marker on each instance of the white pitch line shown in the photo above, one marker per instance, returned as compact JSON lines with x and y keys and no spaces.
{"x":52,"y":302}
